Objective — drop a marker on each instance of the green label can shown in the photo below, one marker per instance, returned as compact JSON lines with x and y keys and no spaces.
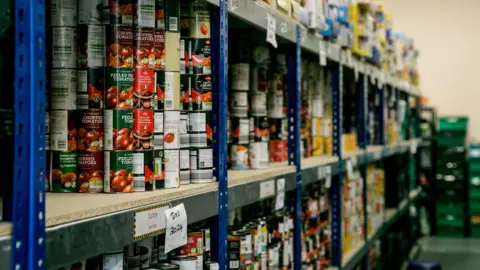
{"x":118,"y":128}
{"x":63,"y":171}
{"x":118,"y":171}
{"x":143,"y":171}
{"x":90,"y":172}
{"x":119,"y":88}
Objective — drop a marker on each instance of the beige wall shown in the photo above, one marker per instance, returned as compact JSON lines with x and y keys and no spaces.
{"x":447,"y":32}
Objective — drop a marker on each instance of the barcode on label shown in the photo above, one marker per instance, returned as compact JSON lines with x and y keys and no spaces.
{"x":173,"y":24}
{"x":82,"y":101}
{"x":234,"y":264}
{"x":47,"y":141}
{"x":168,"y":104}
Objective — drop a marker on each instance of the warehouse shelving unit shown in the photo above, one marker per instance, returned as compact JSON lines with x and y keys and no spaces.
{"x":62,"y":228}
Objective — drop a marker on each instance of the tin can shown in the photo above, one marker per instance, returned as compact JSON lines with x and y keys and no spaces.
{"x":185,"y":263}
{"x":259,"y":79}
{"x":278,"y":150}
{"x":91,"y":46}
{"x":185,"y":54}
{"x":63,"y":89}
{"x":118,"y":88}
{"x":167,"y":15}
{"x":118,"y":129}
{"x":143,"y":41}
{"x":276,"y":104}
{"x":63,"y":171}
{"x":64,"y":47}
{"x":121,"y":11}
{"x":63,"y":130}
{"x":200,"y":128}
{"x":317,"y":146}
{"x":112,"y":259}
{"x":167,"y":50}
{"x":246,"y":252}
{"x":258,"y":104}
{"x":199,"y":19}
{"x":201,"y":93}
{"x":239,"y":104}
{"x":240,"y":130}
{"x":233,"y":250}
{"x":184,"y":166}
{"x":171,"y":129}
{"x":90,"y":130}
{"x":159,"y":173}
{"x":63,"y":13}
{"x":201,"y":61}
{"x":258,"y":155}
{"x":143,"y":170}
{"x":194,"y":246}
{"x":119,"y":45}
{"x":90,"y":87}
{"x":168,"y":90}
{"x":278,"y":128}
{"x":144,"y":13}
{"x":183,"y":130}
{"x":90,"y":172}
{"x":171,"y":168}
{"x":143,"y":126}
{"x":90,"y":12}
{"x":143,"y":103}
{"x":118,"y":170}
{"x":259,"y":129}
{"x":240,"y":76}
{"x":201,"y":165}
{"x":206,"y":240}
{"x":186,"y":92}
{"x":105,"y":12}
{"x":184,"y":18}
{"x":144,"y":83}
{"x":158,"y":130}
{"x":166,"y":266}
{"x":239,"y":157}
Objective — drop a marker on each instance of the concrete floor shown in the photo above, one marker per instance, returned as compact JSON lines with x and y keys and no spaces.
{"x":452,"y":253}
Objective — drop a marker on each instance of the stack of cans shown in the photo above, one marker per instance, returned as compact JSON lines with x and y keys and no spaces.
{"x":62,"y":169}
{"x":306,"y":119}
{"x":196,"y":93}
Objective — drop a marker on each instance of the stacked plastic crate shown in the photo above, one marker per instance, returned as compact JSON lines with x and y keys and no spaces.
{"x":451,"y":179}
{"x":474,"y":189}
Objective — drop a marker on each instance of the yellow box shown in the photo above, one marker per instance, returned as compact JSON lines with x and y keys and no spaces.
{"x":318,"y":147}
{"x":328,"y":145}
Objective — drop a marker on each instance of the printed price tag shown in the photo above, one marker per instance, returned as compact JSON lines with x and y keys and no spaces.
{"x":280,"y":200}
{"x":149,"y":221}
{"x":322,"y":53}
{"x":271,"y":30}
{"x":176,"y":227}
{"x":328,"y":177}
{"x":283,"y":27}
{"x":267,"y":189}
{"x":234,"y":4}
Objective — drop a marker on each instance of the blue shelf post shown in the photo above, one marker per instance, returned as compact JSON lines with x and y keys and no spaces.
{"x":28,"y":236}
{"x":220,"y":77}
{"x":336,"y":188}
{"x":294,"y":78}
{"x":381,"y":115}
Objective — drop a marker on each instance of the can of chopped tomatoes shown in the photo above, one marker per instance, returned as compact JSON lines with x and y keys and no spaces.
{"x":167,"y":50}
{"x":185,"y":166}
{"x":64,"y":47}
{"x":278,"y":150}
{"x":90,"y":12}
{"x":119,"y":88}
{"x":183,"y":130}
{"x":158,"y":130}
{"x":171,"y":168}
{"x":90,"y":87}
{"x":201,"y":92}
{"x":239,"y":157}
{"x":239,"y":104}
{"x":200,"y":128}
{"x":118,"y":168}
{"x":258,"y":155}
{"x":63,"y":12}
{"x":91,"y":46}
{"x":201,"y":165}
{"x":143,"y":129}
{"x":119,"y":45}
{"x":118,"y":128}
{"x":144,"y":89}
{"x":143,"y":170}
{"x":201,"y":56}
{"x":199,"y":19}
{"x":186,"y":92}
{"x":63,"y":91}
{"x":63,"y":130}
{"x":144,"y":13}
{"x":240,"y":130}
{"x":63,"y":171}
{"x":90,"y":130}
{"x":259,"y":129}
{"x":90,"y":172}
{"x":121,"y":11}
{"x":184,"y":18}
{"x":143,"y":103}
{"x":168,"y":90}
{"x":258,"y":103}
{"x":167,"y":15}
{"x":171,"y":130}
{"x":143,"y":41}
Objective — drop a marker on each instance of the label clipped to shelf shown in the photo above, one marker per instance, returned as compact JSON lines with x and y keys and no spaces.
{"x":176,"y":227}
{"x":149,"y":221}
{"x":280,"y":200}
{"x":267,"y":189}
{"x":271,"y":30}
{"x":283,"y":27}
{"x":413,"y":147}
{"x":234,"y":4}
{"x":322,"y":53}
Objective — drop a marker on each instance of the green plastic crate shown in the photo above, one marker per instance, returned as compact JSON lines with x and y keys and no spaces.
{"x":450,"y":231}
{"x":453,"y":123}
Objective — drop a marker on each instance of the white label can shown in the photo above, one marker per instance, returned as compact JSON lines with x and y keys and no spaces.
{"x":258,"y":155}
{"x":184,"y":166}
{"x":171,"y":125}
{"x":64,"y":12}
{"x":171,"y":165}
{"x":90,"y":11}
{"x":63,"y":89}
{"x":64,"y":47}
{"x":240,"y":76}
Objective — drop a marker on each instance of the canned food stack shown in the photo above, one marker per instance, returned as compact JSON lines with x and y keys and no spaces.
{"x":305,"y":114}
{"x":277,"y":109}
{"x":62,"y":170}
{"x":196,"y":92}
{"x":375,"y":197}
{"x":318,"y":113}
{"x":259,"y":126}
{"x":352,"y":212}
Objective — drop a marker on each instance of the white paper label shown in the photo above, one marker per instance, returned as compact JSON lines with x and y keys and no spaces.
{"x":280,"y":200}
{"x":235,"y":4}
{"x":175,"y":228}
{"x":328,"y":177}
{"x":148,"y":221}
{"x":271,"y":30}
{"x":267,"y":189}
{"x":322,"y":53}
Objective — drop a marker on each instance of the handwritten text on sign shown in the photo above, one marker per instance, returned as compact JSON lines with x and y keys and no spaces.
{"x":149,"y":221}
{"x":176,"y":227}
